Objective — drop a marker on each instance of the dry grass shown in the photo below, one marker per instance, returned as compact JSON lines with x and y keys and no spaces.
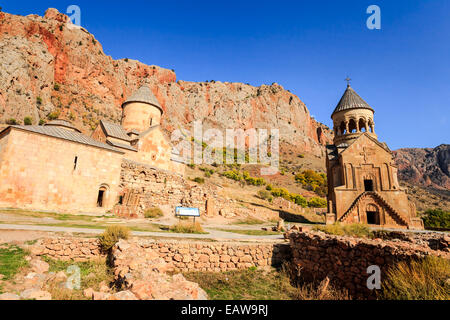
{"x":152,"y":213}
{"x":250,"y":221}
{"x":257,"y":284}
{"x":323,"y":291}
{"x":352,"y":230}
{"x":112,"y":235}
{"x":418,"y":280}
{"x":92,"y":273}
{"x":187,"y":227}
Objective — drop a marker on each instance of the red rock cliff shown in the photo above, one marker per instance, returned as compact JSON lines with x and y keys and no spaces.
{"x":49,"y":70}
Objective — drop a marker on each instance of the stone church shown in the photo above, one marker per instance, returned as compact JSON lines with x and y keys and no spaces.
{"x":56,"y":167}
{"x":362,"y":175}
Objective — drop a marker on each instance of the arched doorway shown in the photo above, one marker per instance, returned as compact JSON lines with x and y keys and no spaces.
{"x":102,"y":196}
{"x":372,"y":214}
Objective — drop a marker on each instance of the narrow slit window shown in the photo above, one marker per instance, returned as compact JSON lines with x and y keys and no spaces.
{"x":75,"y":162}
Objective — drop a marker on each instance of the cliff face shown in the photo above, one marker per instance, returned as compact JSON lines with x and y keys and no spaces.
{"x":426,"y":167}
{"x":50,"y":69}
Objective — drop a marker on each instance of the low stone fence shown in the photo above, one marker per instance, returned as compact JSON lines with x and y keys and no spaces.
{"x":344,"y":260}
{"x":180,"y":255}
{"x":77,"y":249}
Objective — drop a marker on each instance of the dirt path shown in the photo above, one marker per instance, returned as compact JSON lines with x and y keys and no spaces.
{"x":213,"y":234}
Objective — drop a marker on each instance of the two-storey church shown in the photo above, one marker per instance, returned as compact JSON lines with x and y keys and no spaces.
{"x":362,"y":175}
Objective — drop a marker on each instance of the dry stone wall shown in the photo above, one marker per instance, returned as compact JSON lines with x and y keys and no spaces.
{"x":181,"y":256}
{"x":146,"y":187}
{"x":344,"y":260}
{"x":77,"y":249}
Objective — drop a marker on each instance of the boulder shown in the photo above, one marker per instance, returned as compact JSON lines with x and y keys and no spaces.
{"x":9,"y":296}
{"x":39,"y":266}
{"x":36,"y":294}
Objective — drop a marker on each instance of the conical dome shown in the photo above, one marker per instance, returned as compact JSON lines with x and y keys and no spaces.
{"x":144,"y":95}
{"x":351,"y":100}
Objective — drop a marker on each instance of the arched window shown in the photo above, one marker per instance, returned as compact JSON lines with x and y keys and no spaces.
{"x":102,"y":195}
{"x":352,"y":126}
{"x":362,"y":125}
{"x":372,"y":213}
{"x":342,"y":127}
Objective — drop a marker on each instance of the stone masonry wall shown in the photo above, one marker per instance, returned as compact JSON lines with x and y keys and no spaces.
{"x":181,"y":256}
{"x":144,"y":187}
{"x":344,"y":260}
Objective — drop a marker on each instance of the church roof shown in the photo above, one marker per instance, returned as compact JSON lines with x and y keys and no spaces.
{"x":115,"y":130}
{"x":145,"y":95}
{"x":351,"y":100}
{"x":62,"y":123}
{"x":61,"y":133}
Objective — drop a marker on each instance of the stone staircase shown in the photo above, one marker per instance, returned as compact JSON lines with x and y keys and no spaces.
{"x":394,"y":214}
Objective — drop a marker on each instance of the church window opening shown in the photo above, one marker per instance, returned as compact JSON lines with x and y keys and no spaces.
{"x":362,"y":125}
{"x":368,"y":185}
{"x":343,"y":131}
{"x":101,"y":196}
{"x":372,"y":217}
{"x":352,"y":126}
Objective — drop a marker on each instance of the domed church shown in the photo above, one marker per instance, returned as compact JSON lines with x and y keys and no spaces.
{"x":362,"y":175}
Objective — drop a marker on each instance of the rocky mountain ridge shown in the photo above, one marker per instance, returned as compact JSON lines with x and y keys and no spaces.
{"x":51,"y":69}
{"x":428,"y":167}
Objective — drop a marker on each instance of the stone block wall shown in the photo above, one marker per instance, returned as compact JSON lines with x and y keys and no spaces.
{"x":180,"y":256}
{"x":77,"y":249}
{"x":216,"y":256}
{"x":38,"y":172}
{"x":144,"y":187}
{"x":344,"y":260}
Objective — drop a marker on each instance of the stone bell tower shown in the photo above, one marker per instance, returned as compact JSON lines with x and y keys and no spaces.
{"x":351,"y":118}
{"x":141,"y":111}
{"x":362,"y":175}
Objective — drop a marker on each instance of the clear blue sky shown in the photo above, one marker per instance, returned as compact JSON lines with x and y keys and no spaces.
{"x":309,"y":47}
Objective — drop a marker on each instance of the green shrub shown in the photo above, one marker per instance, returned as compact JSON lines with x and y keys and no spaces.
{"x":53,"y":115}
{"x":313,"y":181}
{"x":153,"y":213}
{"x":436,"y":219}
{"x":281,"y":192}
{"x":56,"y":87}
{"x":11,"y":122}
{"x":112,"y":235}
{"x":199,"y":180}
{"x":299,"y":199}
{"x":265,"y":195}
{"x":41,"y":122}
{"x":316,"y":202}
{"x":39,"y":100}
{"x":269,"y":187}
{"x":27,"y":121}
{"x":418,"y":280}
